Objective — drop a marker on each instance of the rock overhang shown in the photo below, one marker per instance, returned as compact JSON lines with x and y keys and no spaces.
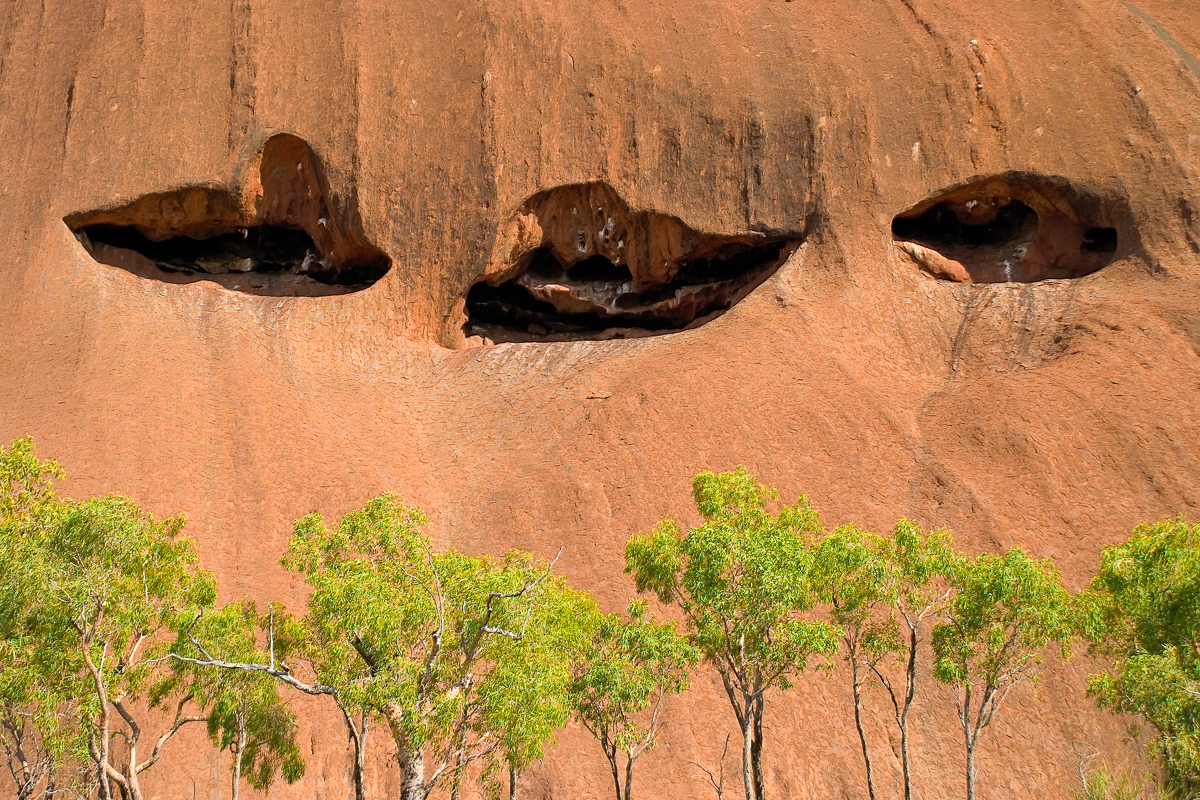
{"x":721,"y":161}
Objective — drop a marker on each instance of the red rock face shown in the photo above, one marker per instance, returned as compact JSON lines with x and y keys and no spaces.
{"x":887,"y":366}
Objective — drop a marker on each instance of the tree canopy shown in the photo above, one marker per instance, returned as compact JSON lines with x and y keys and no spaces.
{"x":882,"y":593}
{"x":742,"y":580}
{"x":1147,"y":615}
{"x":36,"y":724}
{"x":1006,"y":610}
{"x":620,"y":681}
{"x":111,"y":640}
{"x":467,"y":659}
{"x":92,"y":593}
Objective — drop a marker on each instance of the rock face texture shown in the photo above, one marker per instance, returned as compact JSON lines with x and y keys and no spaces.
{"x":926,"y":258}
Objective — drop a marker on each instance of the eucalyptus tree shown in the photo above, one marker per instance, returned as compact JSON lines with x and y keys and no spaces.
{"x":87,"y":586}
{"x":91,"y":594}
{"x":36,"y":724}
{"x":466,"y":659}
{"x":1148,"y":603}
{"x":26,"y":482}
{"x":621,"y":679}
{"x":855,"y":577}
{"x":117,"y":582}
{"x":1006,"y":610}
{"x":244,"y":712}
{"x":924,"y":567}
{"x":882,"y":592}
{"x":742,"y":582}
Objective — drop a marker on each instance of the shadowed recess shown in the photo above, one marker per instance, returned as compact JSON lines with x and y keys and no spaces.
{"x":1011,"y":228}
{"x":575,"y":263}
{"x":276,"y":237}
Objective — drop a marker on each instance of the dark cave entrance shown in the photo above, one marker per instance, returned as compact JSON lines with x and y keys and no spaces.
{"x":261,"y":250}
{"x":595,"y":298}
{"x":1010,"y":229}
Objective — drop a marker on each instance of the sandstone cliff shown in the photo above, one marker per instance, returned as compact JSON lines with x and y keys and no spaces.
{"x":401,"y":297}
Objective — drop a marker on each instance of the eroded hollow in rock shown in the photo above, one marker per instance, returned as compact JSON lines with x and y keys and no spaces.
{"x":576,"y":263}
{"x":264,"y":259}
{"x":1010,"y":228}
{"x":277,"y":237}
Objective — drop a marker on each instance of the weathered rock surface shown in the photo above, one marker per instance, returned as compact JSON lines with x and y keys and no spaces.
{"x":1053,"y":414}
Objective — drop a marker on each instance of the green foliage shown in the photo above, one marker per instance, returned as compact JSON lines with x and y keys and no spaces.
{"x":116,"y":582}
{"x":742,"y":578}
{"x":881,"y":592}
{"x":855,"y":576}
{"x":1146,"y":612}
{"x":26,"y":508}
{"x":620,"y":681}
{"x":37,"y":728}
{"x":874,"y":582}
{"x":924,"y":560}
{"x":25,"y":481}
{"x":245,"y":714}
{"x":467,"y":658}
{"x":1103,"y":784}
{"x":743,"y":581}
{"x":1007,"y":610}
{"x":91,"y":594}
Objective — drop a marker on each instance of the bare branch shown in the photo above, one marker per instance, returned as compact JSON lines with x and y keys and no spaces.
{"x":178,"y":723}
{"x":135,"y":732}
{"x":490,"y":610}
{"x":652,"y":728}
{"x":283,"y":674}
{"x":717,"y":782}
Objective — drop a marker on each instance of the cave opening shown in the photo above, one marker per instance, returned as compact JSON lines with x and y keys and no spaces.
{"x":729,"y":263}
{"x":259,"y":259}
{"x":596,"y":298}
{"x":941,"y":226}
{"x":1009,"y":229}
{"x":273,"y":235}
{"x":1100,"y":240}
{"x":598,"y":269}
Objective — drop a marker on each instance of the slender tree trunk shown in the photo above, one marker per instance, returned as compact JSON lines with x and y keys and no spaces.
{"x":747,"y":758}
{"x":358,"y":736}
{"x":862,"y":735}
{"x":512,"y":782}
{"x":413,"y":785}
{"x":105,"y":789}
{"x":133,"y":787}
{"x":105,"y":746}
{"x":629,"y":776}
{"x":239,"y":745}
{"x":970,"y":770}
{"x":360,"y":758}
{"x":411,"y":760}
{"x":964,"y":712}
{"x":756,"y":746}
{"x":910,"y":689}
{"x":610,"y":752}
